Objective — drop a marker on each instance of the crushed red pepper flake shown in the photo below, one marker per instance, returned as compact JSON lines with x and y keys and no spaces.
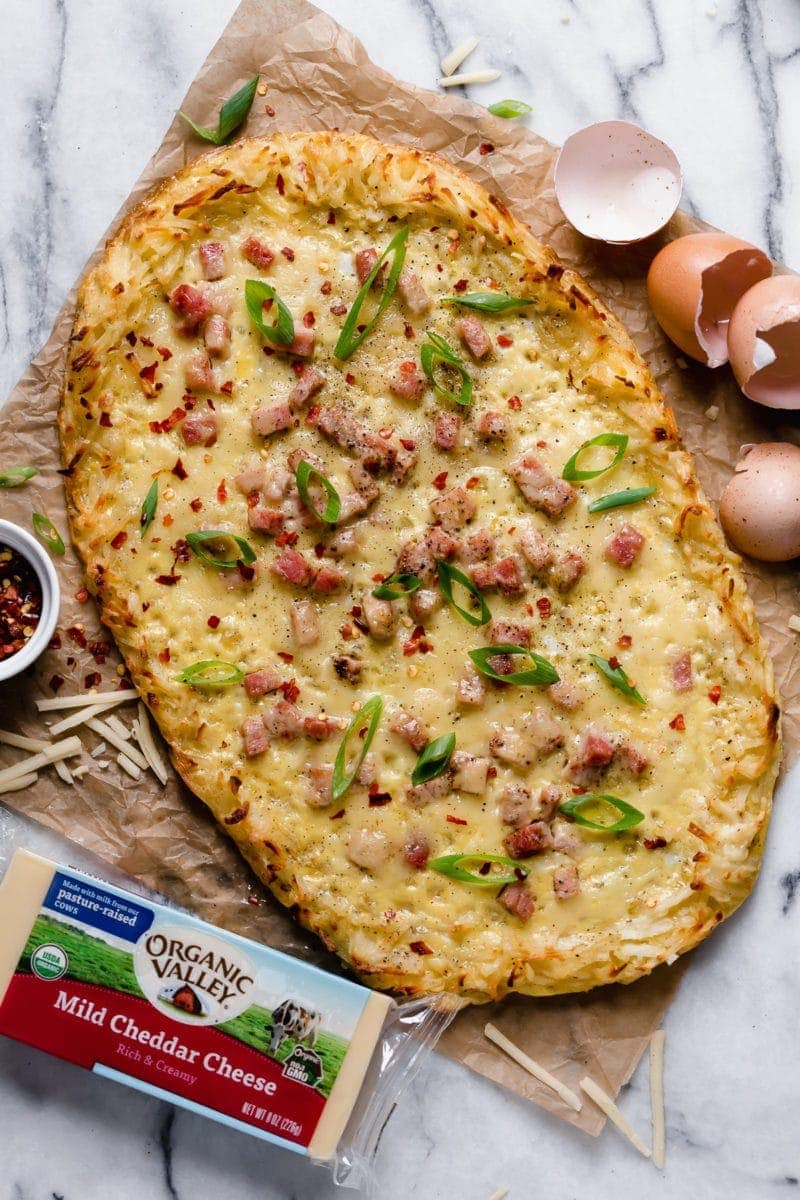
{"x":335,"y":816}
{"x":455,"y":820}
{"x":420,"y":948}
{"x":290,"y":690}
{"x":625,"y":641}
{"x":504,"y":340}
{"x":440,"y":480}
{"x":678,"y":722}
{"x":460,"y":285}
{"x":656,"y":843}
{"x":515,"y":403}
{"x":213,"y":622}
{"x":180,"y":471}
{"x":167,"y":580}
{"x":196,"y":504}
{"x":119,"y":539}
{"x":93,"y":679}
{"x":472,"y":482}
{"x":545,"y":607}
{"x":56,"y":682}
{"x":222,"y":491}
{"x":715,"y":694}
{"x":288,"y":253}
{"x":285,"y":656}
{"x":486,"y":148}
{"x":82,"y":595}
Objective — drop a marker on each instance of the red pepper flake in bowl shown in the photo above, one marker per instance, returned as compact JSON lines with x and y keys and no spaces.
{"x":20,"y":601}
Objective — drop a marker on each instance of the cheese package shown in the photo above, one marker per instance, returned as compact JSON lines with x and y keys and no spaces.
{"x":152,"y":997}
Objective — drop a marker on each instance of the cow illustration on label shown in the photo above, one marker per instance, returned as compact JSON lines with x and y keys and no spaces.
{"x":292,"y":1020}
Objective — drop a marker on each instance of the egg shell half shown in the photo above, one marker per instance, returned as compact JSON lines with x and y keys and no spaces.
{"x":764,"y":342}
{"x":760,"y":507}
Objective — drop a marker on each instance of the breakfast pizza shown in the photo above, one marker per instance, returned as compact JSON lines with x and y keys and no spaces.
{"x":403,"y":553}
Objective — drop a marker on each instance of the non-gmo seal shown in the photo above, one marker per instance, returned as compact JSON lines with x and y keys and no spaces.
{"x":49,"y":961}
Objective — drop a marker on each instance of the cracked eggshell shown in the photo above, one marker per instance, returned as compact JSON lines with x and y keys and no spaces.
{"x":764,"y":342}
{"x":617,"y":183}
{"x":760,"y":507}
{"x":693,"y":286}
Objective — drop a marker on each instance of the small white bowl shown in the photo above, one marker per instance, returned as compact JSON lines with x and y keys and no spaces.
{"x":27,"y":546}
{"x":616,"y":182}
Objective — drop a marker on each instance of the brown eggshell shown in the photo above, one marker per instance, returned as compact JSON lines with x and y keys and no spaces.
{"x":693,"y":286}
{"x":764,"y":342}
{"x":760,"y":507}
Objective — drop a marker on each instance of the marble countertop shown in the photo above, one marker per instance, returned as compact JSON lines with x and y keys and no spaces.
{"x":88,"y":87}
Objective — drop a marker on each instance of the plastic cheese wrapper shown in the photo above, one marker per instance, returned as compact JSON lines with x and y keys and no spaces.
{"x":168,"y":1004}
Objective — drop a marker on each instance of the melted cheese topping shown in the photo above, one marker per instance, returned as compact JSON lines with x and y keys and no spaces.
{"x":705,"y":793}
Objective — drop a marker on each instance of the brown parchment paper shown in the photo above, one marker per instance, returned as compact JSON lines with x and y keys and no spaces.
{"x":319,"y":76}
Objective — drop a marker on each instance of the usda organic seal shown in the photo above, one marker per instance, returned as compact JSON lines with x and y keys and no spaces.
{"x":49,"y":961}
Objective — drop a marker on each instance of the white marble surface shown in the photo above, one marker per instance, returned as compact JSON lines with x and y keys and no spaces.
{"x":719,"y":81}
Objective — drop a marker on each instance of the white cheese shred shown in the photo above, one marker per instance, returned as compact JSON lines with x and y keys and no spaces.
{"x":20,"y":742}
{"x":614,"y":1114}
{"x":99,"y":750}
{"x":84,"y":701}
{"x":144,"y":736}
{"x":794,"y":623}
{"x":63,"y":772}
{"x":657,"y":1098}
{"x":78,"y":718}
{"x":16,"y":785}
{"x":129,"y":767}
{"x":79,"y":772}
{"x":533,"y":1068}
{"x":114,"y":723}
{"x":67,"y":748}
{"x":130,"y":752}
{"x":500,"y":1194}
{"x":468,"y":77}
{"x":452,"y":61}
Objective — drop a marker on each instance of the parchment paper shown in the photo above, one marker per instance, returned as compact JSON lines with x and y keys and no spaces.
{"x":319,"y":76}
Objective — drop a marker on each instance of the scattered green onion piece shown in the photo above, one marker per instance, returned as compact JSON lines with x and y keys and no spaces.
{"x":454,"y":867}
{"x":231,"y":115}
{"x":448,"y":575}
{"x":488,"y":302}
{"x":212,"y":673}
{"x":630,"y":815}
{"x":510,"y":108}
{"x":16,"y":476}
{"x":571,"y":472}
{"x":368,"y":715}
{"x":349,"y":340}
{"x":306,"y":474}
{"x":256,"y":293}
{"x":209,"y":537}
{"x":433,"y":759}
{"x":437,"y":352}
{"x":543,"y":674}
{"x":620,"y":499}
{"x":47,"y":533}
{"x":396,"y":586}
{"x":617,"y":678}
{"x":149,"y":505}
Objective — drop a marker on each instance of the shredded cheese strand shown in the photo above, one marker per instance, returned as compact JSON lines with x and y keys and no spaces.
{"x":115,"y":724}
{"x":657,"y":1097}
{"x":16,"y":785}
{"x":78,"y":718}
{"x":452,"y":61}
{"x":20,"y":742}
{"x":117,"y":742}
{"x":68,"y":748}
{"x":128,"y":766}
{"x":63,"y":772}
{"x":144,"y":736}
{"x":500,"y":1194}
{"x":533,"y":1068}
{"x":614,"y":1114}
{"x":59,"y":702}
{"x":468,"y":77}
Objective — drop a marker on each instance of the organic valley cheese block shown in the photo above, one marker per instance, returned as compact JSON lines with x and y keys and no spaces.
{"x":315,"y":367}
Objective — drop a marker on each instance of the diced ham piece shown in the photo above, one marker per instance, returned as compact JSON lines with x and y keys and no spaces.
{"x":492,"y":425}
{"x":302,"y":345}
{"x":271,"y":419}
{"x":191,"y":305}
{"x":541,"y":488}
{"x":404,"y":463}
{"x":446,"y":430}
{"x":262,"y":519}
{"x":423,"y":603}
{"x":454,"y":508}
{"x":434,"y":789}
{"x":212,"y":259}
{"x":320,"y":779}
{"x":483,"y":576}
{"x":353,"y":504}
{"x":410,"y":729}
{"x":406,"y":382}
{"x":364,"y":262}
{"x":412,"y":293}
{"x":477,"y":547}
{"x":322,"y":727}
{"x":474,"y":336}
{"x":516,"y":805}
{"x":593,"y":756}
{"x":329,"y":580}
{"x":292,"y":568}
{"x":417,"y":851}
{"x":338,"y":424}
{"x":535,"y":735}
{"x":277,"y":481}
{"x":536,"y":550}
{"x":470,"y":689}
{"x":301,"y":454}
{"x":470,"y":773}
{"x":364,"y":482}
{"x":508,"y":633}
{"x":547,"y":802}
{"x":567,"y":570}
{"x":380,"y":615}
{"x":259,"y":683}
{"x":419,"y":554}
{"x":367,"y":773}
{"x":508,"y":576}
{"x":348,"y":667}
{"x":305,"y":623}
{"x":251,"y":478}
{"x":254,"y":736}
{"x":200,"y":429}
{"x":310,"y":381}
{"x":367,"y":849}
{"x":217,"y":336}
{"x":529,"y":839}
{"x":565,"y":695}
{"x":625,"y":546}
{"x":198,"y":372}
{"x":682,"y":673}
{"x":519,"y":900}
{"x":343,"y":544}
{"x":631,"y":759}
{"x":565,"y":881}
{"x":257,"y":253}
{"x":283,"y":720}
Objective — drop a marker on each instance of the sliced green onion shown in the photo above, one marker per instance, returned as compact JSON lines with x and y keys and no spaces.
{"x":437,"y":352}
{"x":448,"y":575}
{"x":349,"y":339}
{"x":630,"y":815}
{"x":454,"y":866}
{"x":47,"y":533}
{"x":571,"y":472}
{"x":544,"y":672}
{"x":306,"y":474}
{"x":510,"y":108}
{"x":256,"y":294}
{"x":211,"y":673}
{"x":433,"y":759}
{"x":16,"y":476}
{"x":488,"y":302}
{"x":367,"y":716}
{"x":396,"y":586}
{"x":149,"y":505}
{"x":620,"y":499}
{"x":203,"y":543}
{"x":231,"y":115}
{"x":617,"y":678}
